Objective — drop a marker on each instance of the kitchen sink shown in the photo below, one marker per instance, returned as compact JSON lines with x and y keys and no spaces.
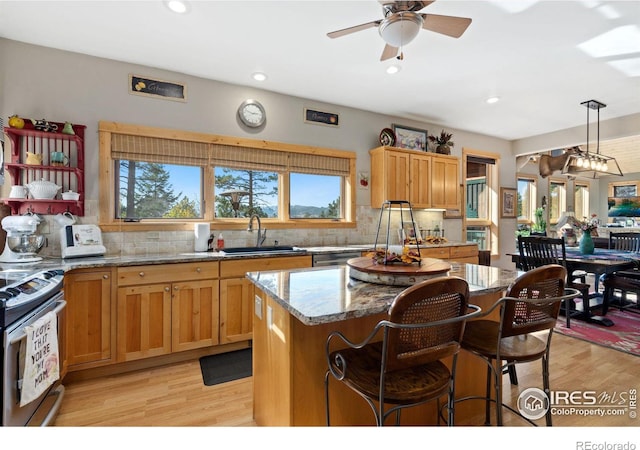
{"x":276,"y":249}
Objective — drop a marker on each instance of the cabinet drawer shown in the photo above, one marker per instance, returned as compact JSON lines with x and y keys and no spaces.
{"x":466,"y":259}
{"x":167,"y":273}
{"x":237,"y":268}
{"x":435,"y":252}
{"x":463,"y":251}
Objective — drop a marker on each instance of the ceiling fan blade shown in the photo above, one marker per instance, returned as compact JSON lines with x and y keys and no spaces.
{"x":448,"y":25}
{"x":389,"y":52}
{"x":345,"y":31}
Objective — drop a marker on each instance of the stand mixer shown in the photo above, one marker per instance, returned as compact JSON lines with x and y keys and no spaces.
{"x":22,"y":242}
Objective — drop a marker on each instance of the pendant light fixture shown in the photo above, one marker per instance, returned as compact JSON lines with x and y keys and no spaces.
{"x":590,"y":163}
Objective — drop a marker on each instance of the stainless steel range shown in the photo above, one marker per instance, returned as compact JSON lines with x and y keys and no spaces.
{"x":23,"y":302}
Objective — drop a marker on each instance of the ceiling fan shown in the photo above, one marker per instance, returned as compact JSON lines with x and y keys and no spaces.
{"x":401,"y":25}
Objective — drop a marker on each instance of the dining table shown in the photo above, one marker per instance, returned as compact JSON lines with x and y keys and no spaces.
{"x":601,"y":262}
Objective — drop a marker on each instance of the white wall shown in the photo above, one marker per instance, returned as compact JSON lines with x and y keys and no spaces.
{"x":39,"y":82}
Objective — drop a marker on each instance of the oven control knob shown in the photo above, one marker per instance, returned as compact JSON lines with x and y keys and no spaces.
{"x":5,"y":295}
{"x":47,"y":275}
{"x":12,"y":291}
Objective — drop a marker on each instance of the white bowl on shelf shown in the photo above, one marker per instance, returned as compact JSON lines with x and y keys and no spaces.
{"x":70,"y":195}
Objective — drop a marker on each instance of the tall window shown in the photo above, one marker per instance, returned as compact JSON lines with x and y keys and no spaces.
{"x":581,"y":199}
{"x":527,"y":193}
{"x":481,"y":205}
{"x":557,"y":199}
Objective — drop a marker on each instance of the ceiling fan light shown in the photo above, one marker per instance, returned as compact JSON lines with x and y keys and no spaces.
{"x":401,"y":28}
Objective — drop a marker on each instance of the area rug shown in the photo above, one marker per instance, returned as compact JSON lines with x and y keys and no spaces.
{"x":225,"y":367}
{"x":624,"y":335}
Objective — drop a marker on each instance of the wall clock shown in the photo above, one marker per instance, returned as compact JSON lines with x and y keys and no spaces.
{"x":252,"y":113}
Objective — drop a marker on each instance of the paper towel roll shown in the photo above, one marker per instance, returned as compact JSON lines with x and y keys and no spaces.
{"x":202,"y":232}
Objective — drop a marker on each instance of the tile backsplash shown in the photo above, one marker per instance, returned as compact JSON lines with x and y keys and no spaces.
{"x":154,"y":242}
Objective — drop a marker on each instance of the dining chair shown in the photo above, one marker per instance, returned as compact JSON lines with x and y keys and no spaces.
{"x":622,"y":281}
{"x":531,"y":306}
{"x":424,"y":325}
{"x":538,"y":251}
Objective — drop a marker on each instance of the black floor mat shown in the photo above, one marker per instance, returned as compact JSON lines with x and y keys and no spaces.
{"x":226,"y":366}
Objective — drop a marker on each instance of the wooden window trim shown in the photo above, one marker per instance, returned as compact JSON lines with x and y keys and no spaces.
{"x":107,"y":180}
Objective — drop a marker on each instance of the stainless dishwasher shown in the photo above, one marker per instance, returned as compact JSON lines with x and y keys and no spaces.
{"x":334,"y":259}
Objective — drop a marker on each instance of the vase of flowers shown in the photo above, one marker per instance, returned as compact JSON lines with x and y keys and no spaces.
{"x":443,"y":142}
{"x":587,"y":226}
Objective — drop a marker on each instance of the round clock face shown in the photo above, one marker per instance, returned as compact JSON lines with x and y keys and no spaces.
{"x":251,"y":113}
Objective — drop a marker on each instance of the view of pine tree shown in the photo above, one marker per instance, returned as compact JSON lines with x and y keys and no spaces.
{"x":333,"y":210}
{"x":185,"y":208}
{"x":148,"y":191}
{"x":260,"y":186}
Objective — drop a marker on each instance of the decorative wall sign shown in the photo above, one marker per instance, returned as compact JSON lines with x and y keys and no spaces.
{"x":150,"y":87}
{"x":323,"y":118}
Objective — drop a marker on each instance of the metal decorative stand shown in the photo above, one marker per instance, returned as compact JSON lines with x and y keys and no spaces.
{"x":402,"y":206}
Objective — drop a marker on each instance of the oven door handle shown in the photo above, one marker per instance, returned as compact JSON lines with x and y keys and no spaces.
{"x":62,"y":304}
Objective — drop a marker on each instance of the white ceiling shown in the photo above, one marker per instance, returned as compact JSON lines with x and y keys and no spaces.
{"x":531,"y":58}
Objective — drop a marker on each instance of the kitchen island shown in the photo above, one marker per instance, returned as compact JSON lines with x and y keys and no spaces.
{"x":295,"y":310}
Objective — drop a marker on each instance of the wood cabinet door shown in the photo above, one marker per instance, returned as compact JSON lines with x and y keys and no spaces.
{"x":144,"y":321}
{"x":420,"y":181}
{"x":445,"y":191}
{"x":236,"y":310}
{"x":90,"y":317}
{"x":194,"y":314}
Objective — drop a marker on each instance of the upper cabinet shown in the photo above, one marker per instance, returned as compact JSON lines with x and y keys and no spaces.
{"x":427,"y":180}
{"x":49,"y":158}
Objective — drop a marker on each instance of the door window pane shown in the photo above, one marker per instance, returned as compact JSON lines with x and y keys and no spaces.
{"x":557,"y":200}
{"x":581,"y":201}
{"x":526,"y":199}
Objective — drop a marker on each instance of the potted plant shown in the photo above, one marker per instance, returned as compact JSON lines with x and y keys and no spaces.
{"x":443,"y":142}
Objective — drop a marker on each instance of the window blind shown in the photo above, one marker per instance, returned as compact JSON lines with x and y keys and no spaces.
{"x":164,"y":151}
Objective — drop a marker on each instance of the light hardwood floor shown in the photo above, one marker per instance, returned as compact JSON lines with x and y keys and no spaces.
{"x":176,"y":396}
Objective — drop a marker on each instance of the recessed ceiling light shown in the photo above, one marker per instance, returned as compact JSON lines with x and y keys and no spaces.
{"x":177,"y":6}
{"x":259,"y":76}
{"x":393,"y":69}
{"x":491,"y":100}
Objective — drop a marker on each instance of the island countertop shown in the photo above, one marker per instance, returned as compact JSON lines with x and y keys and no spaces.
{"x":328,"y":294}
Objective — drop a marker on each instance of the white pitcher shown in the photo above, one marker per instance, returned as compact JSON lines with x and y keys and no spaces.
{"x":65,"y":219}
{"x":18,"y":191}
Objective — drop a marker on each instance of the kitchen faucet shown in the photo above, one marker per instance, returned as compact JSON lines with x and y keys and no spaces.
{"x":262,"y":235}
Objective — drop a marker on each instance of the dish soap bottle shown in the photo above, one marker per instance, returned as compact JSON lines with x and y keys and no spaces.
{"x":220,"y":243}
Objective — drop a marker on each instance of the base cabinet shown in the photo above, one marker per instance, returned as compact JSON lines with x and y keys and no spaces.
{"x":237,"y":293}
{"x":157,"y":318}
{"x":90,"y":318}
{"x":460,"y":253}
{"x":144,"y":321}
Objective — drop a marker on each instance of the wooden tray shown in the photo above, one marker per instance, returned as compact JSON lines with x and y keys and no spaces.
{"x":366,"y":269}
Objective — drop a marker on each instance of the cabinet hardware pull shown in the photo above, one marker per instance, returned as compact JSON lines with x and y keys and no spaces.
{"x":106,"y":277}
{"x":141,"y":274}
{"x":166,"y":289}
{"x":198,"y":270}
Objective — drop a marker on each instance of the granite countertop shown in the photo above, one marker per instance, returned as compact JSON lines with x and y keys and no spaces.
{"x":327,"y":294}
{"x":169,"y":258}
